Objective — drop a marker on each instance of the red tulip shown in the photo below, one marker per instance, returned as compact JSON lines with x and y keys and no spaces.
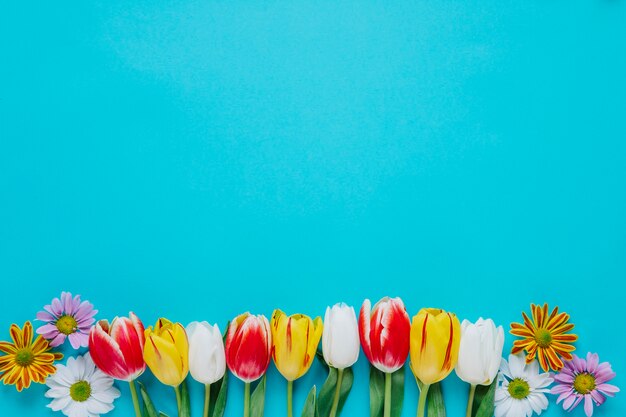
{"x":248,"y":346}
{"x":117,"y":349}
{"x":385,"y":333}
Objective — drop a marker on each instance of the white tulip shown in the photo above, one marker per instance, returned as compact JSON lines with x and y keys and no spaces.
{"x":207,"y":360}
{"x":480,"y":352}
{"x":340,"y":339}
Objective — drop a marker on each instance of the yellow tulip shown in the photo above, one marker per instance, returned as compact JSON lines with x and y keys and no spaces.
{"x":295,"y":339}
{"x":435,"y":339}
{"x":166,"y":352}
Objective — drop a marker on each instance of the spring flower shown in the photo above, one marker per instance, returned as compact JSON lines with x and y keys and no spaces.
{"x":67,"y":318}
{"x":480,"y":351}
{"x":384,"y":331}
{"x":26,"y":361}
{"x":207,"y":360}
{"x":294,"y":343}
{"x":79,"y":389}
{"x":166,"y":352}
{"x":340,"y":338}
{"x":435,"y":340}
{"x":248,"y":346}
{"x":248,"y":350}
{"x":340,"y":343}
{"x":117,"y":349}
{"x":545,"y":337}
{"x":523,"y":388}
{"x":585,"y":380}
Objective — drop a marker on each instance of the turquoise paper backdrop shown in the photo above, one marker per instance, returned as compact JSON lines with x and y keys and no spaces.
{"x":197,"y":159}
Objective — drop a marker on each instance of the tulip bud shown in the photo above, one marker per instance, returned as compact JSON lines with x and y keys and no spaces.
{"x":480,"y":352}
{"x":117,"y":349}
{"x":435,"y":337}
{"x":167,"y":352}
{"x":207,"y":360}
{"x":295,"y":339}
{"x":340,"y":339}
{"x":384,"y":332}
{"x":248,"y":346}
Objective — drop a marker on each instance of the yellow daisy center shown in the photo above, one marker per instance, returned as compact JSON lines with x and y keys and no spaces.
{"x":80,"y":391}
{"x":24,"y":357}
{"x":543,"y":338}
{"x":519,"y":389}
{"x":67,"y":324}
{"x":584,"y":383}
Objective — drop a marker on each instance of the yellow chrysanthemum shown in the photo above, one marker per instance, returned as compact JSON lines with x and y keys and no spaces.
{"x":26,"y":361}
{"x":545,"y":337}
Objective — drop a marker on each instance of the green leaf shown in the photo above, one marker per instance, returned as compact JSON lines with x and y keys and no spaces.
{"x":397,"y":392}
{"x":327,"y":393}
{"x":219,"y":404}
{"x":309,"y":404}
{"x":326,"y":396}
{"x":148,"y":405}
{"x":162,"y":414}
{"x":320,"y":357}
{"x":435,"y":404}
{"x":346,"y":385}
{"x":257,"y":399}
{"x":486,"y":406}
{"x":377,"y":392}
{"x":479,"y":394}
{"x":185,"y":406}
{"x":225,"y":332}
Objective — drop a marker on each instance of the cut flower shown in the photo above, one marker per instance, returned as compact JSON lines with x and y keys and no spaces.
{"x":585,"y":380}
{"x":80,"y":389}
{"x":544,"y":337}
{"x":67,"y":318}
{"x":26,"y":361}
{"x":522,"y":389}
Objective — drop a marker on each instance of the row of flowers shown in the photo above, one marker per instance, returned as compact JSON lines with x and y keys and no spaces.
{"x":434,"y":340}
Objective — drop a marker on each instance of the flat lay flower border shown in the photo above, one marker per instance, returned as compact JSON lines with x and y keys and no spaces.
{"x":540,"y":368}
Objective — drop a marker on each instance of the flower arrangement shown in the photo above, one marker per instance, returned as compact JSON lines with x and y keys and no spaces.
{"x":435,"y":342}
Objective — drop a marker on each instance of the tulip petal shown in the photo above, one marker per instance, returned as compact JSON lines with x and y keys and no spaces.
{"x":106,"y":354}
{"x":164,"y":360}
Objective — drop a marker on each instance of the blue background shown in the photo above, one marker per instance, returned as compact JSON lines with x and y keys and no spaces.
{"x":196,"y":159}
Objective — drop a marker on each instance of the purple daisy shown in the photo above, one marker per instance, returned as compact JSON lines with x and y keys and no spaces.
{"x":67,"y":317}
{"x":582,"y":379}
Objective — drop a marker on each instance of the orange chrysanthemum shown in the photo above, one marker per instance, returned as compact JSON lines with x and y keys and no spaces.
{"x":545,"y":337}
{"x":26,"y":361}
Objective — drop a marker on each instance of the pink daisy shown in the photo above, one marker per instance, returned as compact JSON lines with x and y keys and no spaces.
{"x":582,"y":379}
{"x":67,"y":317}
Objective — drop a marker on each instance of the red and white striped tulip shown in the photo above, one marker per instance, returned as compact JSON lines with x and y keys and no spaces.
{"x":117,"y":349}
{"x":248,"y":346}
{"x":385,"y":333}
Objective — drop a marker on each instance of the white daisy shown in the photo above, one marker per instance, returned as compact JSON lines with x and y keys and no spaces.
{"x":522,"y":388}
{"x":79,"y":389}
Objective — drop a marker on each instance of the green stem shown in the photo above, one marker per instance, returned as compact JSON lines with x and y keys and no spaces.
{"x":178,"y":401}
{"x":333,"y":410}
{"x":289,"y":398}
{"x":133,"y":393}
{"x":246,"y":399}
{"x":421,"y":405}
{"x":207,"y":399}
{"x":470,"y":401}
{"x":387,"y":409}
